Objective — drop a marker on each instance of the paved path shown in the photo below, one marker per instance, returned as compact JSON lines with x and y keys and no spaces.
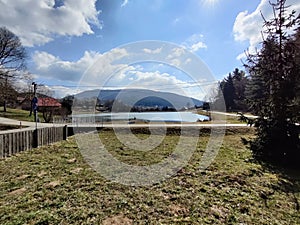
{"x":160,"y":125}
{"x":33,"y":124}
{"x":232,"y":114}
{"x":7,"y":121}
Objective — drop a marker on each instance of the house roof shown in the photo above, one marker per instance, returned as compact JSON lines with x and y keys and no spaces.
{"x":48,"y":102}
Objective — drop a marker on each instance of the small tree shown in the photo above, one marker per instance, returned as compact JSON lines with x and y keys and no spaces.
{"x":67,"y":104}
{"x":272,"y":89}
{"x":12,"y":60}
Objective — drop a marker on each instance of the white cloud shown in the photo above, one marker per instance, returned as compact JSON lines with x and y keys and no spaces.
{"x":195,"y":47}
{"x":248,"y":26}
{"x":92,"y":67}
{"x":178,"y":57}
{"x":188,"y":60}
{"x":50,"y":66}
{"x":62,"y":91}
{"x":176,"y":21}
{"x":156,"y":79}
{"x":162,"y":81}
{"x":44,"y":60}
{"x":94,"y":70}
{"x":106,"y":66}
{"x":38,"y":22}
{"x":177,"y":52}
{"x":174,"y":57}
{"x":125,"y":2}
{"x":152,"y":51}
{"x":194,"y":43}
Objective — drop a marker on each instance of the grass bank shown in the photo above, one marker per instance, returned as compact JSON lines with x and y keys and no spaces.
{"x":18,"y":114}
{"x":8,"y":127}
{"x":54,"y":185}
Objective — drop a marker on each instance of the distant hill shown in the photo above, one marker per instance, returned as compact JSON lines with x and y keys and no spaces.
{"x":141,"y":97}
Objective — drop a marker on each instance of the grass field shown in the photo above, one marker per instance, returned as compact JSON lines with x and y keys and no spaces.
{"x":54,"y":185}
{"x":8,"y":127}
{"x":18,"y":114}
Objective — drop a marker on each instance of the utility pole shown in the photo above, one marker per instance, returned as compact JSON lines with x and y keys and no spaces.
{"x":34,"y":104}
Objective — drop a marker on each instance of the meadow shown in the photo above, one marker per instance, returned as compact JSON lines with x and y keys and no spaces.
{"x":18,"y":114}
{"x":54,"y":185}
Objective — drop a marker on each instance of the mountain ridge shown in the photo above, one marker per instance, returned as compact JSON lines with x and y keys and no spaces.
{"x":141,"y":98}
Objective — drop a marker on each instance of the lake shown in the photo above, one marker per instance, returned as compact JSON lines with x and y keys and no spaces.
{"x":143,"y":116}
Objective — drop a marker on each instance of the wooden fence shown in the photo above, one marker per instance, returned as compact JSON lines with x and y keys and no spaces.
{"x":18,"y":140}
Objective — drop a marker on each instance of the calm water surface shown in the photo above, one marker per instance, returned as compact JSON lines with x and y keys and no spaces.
{"x":146,"y":116}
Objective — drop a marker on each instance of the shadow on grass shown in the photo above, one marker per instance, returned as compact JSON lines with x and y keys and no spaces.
{"x":8,"y":127}
{"x":288,"y":180}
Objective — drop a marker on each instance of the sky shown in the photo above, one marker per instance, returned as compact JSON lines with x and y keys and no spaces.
{"x":181,"y":46}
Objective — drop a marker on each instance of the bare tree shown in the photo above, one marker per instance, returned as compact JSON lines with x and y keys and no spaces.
{"x":24,"y":85}
{"x":12,"y":60}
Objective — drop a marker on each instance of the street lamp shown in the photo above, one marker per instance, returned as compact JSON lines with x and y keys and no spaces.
{"x":35,"y":103}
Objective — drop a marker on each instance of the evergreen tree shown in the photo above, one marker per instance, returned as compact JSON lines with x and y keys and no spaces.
{"x":232,"y":88}
{"x":240,"y":81}
{"x":272,"y":90}
{"x":294,"y":103}
{"x":229,"y":93}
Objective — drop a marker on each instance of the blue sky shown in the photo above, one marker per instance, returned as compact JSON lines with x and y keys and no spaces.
{"x":65,"y":37}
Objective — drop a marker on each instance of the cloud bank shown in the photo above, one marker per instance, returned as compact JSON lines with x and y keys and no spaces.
{"x":248,"y":25}
{"x":95,"y":70}
{"x":39,"y":22}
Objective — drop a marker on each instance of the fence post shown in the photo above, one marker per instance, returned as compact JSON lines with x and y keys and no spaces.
{"x":65,"y":132}
{"x":1,"y":147}
{"x":35,"y":138}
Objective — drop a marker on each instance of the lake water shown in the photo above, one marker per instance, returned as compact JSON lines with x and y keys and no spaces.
{"x":144,"y":116}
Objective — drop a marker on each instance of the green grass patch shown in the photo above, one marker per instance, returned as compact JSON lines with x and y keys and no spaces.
{"x":54,"y":185}
{"x":8,"y":127}
{"x":18,"y":114}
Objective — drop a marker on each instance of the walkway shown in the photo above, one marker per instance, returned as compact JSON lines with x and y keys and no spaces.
{"x":7,"y":121}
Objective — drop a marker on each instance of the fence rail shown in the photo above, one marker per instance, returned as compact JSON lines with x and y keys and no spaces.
{"x":15,"y":141}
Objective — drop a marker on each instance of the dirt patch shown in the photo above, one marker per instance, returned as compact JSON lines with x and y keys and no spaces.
{"x":73,"y":160}
{"x":76,"y":170}
{"x":117,"y":220}
{"x":177,"y":210}
{"x":53,"y":184}
{"x":23,"y":177}
{"x":41,"y":174}
{"x":18,"y":191}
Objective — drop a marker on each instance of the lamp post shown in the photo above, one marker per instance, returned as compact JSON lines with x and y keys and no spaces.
{"x":35,"y":103}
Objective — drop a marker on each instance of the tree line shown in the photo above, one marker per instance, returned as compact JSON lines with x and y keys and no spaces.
{"x":232,"y":90}
{"x":270,"y":89}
